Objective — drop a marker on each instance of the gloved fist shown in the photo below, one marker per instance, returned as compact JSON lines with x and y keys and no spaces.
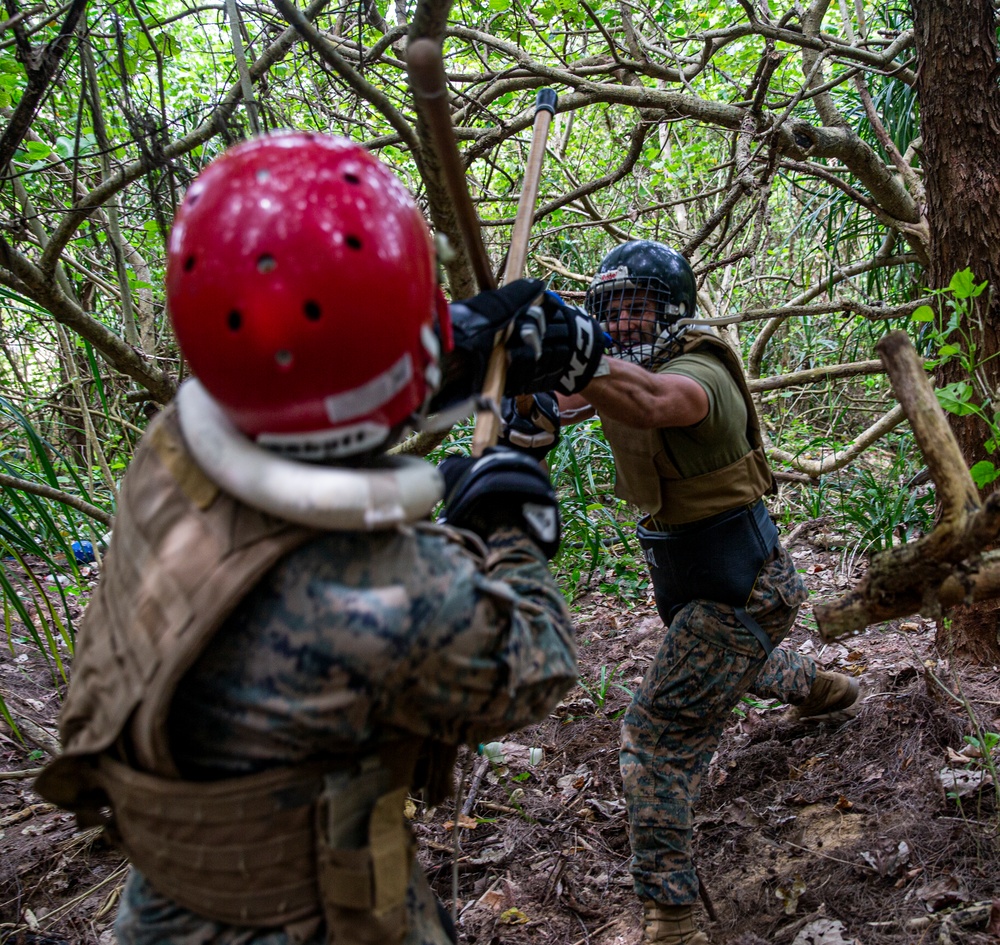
{"x":571,"y":348}
{"x":478,"y":325}
{"x":550,"y":345}
{"x":501,"y":488}
{"x":535,"y":434}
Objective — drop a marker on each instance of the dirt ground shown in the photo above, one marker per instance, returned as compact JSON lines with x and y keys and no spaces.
{"x":881,"y":829}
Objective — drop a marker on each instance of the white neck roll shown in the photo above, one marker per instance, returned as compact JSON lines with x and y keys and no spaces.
{"x":331,"y":498}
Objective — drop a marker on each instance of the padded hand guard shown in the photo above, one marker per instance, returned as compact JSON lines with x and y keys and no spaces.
{"x":534,"y":435}
{"x":501,"y":488}
{"x":572,"y":345}
{"x":550,"y":345}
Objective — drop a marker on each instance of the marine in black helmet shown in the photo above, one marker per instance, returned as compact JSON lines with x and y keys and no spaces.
{"x":686,"y":441}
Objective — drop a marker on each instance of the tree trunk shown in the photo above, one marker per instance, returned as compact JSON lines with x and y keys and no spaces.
{"x":960,"y":126}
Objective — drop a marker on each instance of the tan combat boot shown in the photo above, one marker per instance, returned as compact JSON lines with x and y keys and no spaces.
{"x":833,"y":697}
{"x":669,"y":925}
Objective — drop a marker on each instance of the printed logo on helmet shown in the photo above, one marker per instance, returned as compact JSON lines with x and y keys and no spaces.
{"x":612,"y":275}
{"x":612,"y":278}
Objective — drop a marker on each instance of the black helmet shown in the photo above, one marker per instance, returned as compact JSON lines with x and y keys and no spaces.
{"x":656,"y":275}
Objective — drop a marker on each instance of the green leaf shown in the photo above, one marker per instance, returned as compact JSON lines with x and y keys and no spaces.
{"x":947,"y":351}
{"x":984,"y":472}
{"x":37,"y":150}
{"x":963,"y":285}
{"x":68,"y":148}
{"x":955,"y":398}
{"x":923,"y":314}
{"x":168,"y":44}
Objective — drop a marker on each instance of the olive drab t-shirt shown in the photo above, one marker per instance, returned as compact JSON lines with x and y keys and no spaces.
{"x":720,"y":439}
{"x":682,"y":475}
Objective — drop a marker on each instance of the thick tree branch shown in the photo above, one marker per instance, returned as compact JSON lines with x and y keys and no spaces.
{"x":945,"y":567}
{"x":39,"y":78}
{"x":814,"y":375}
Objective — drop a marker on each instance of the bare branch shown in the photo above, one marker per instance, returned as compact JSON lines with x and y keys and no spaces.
{"x":841,"y":458}
{"x":56,"y":495}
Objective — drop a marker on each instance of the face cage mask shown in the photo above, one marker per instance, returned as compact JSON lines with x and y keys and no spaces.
{"x":649,"y":348}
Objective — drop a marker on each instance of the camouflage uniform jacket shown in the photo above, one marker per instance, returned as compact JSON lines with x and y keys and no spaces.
{"x":352,"y":642}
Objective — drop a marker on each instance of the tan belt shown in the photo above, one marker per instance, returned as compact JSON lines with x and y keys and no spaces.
{"x":274,"y":848}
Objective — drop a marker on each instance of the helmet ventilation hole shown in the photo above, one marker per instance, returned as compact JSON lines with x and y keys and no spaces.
{"x":266,"y":263}
{"x":283,"y":358}
{"x":189,"y":264}
{"x":353,"y":242}
{"x":234,"y":320}
{"x":312,"y":310}
{"x":352,"y":178}
{"x":263,"y":175}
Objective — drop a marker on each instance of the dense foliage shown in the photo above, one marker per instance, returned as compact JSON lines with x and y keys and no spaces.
{"x":775,"y":144}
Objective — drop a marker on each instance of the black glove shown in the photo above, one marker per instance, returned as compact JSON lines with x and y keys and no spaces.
{"x":572,"y":345}
{"x":550,"y":345}
{"x":535,"y":434}
{"x":501,"y":488}
{"x":479,"y":324}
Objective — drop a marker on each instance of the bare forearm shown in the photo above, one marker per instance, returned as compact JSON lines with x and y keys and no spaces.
{"x":574,"y":408}
{"x":632,"y":395}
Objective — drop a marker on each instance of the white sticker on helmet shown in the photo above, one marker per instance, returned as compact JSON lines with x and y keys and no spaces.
{"x":367,"y":398}
{"x":612,"y":279}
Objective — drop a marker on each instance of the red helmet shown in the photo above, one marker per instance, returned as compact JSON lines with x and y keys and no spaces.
{"x":301,"y":286}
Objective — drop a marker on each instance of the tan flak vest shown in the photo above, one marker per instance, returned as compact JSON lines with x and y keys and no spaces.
{"x":253,"y":850}
{"x":647,"y":477}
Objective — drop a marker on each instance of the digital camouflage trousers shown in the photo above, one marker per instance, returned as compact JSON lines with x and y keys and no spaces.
{"x":706,"y":663}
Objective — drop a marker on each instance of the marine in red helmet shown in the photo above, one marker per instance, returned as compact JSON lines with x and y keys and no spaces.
{"x":283,"y":646}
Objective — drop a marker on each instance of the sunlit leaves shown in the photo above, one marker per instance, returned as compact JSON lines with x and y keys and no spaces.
{"x":168,"y":44}
{"x":12,"y":79}
{"x":963,"y":285}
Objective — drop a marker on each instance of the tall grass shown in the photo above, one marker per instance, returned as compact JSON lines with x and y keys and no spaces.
{"x":873,"y":505}
{"x":40,"y":576}
{"x":598,"y":530}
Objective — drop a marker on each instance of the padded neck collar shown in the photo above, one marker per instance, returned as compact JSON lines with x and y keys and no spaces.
{"x":396,"y":491}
